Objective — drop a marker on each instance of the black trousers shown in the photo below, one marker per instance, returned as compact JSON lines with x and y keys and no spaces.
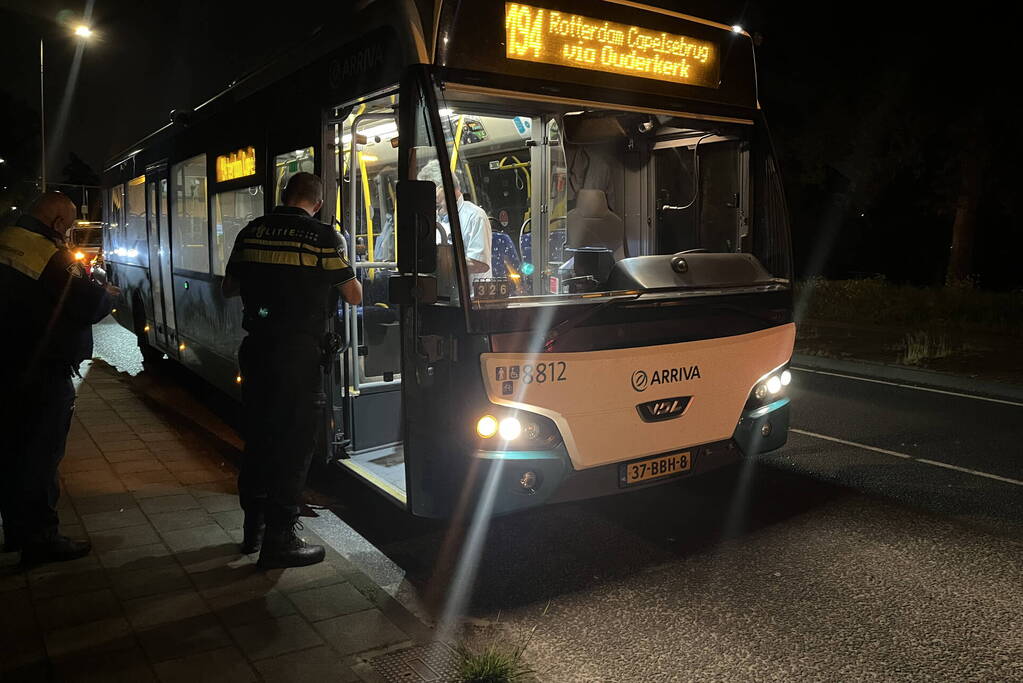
{"x":282,"y":394}
{"x":35,"y":416}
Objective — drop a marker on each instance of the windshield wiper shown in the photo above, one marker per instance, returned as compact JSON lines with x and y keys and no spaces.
{"x":570,"y":323}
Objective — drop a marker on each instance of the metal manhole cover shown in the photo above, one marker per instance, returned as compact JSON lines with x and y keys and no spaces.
{"x":433,"y":662}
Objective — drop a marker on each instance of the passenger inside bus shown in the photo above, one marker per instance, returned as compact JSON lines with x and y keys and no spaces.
{"x":476,"y":231}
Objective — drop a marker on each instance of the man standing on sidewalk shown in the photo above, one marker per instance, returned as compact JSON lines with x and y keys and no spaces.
{"x":48,"y":305}
{"x":288,"y":269}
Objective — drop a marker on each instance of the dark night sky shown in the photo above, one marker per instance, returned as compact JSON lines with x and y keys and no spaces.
{"x":152,"y":56}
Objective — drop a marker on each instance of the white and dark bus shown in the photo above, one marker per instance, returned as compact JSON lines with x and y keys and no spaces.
{"x":632,"y":322}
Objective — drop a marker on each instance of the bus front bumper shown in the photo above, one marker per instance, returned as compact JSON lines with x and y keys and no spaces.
{"x":517,"y":480}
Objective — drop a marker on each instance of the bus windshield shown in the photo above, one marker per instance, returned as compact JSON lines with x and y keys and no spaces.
{"x":567,"y":193}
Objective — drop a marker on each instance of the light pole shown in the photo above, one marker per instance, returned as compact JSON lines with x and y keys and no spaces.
{"x":83,"y":32}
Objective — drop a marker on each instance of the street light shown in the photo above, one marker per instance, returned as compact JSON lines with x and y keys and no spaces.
{"x":84,"y":33}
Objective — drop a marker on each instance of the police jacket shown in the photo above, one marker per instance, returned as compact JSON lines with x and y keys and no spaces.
{"x":48,"y":303}
{"x":289,"y":267}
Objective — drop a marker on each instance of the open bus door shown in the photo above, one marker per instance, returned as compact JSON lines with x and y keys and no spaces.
{"x":441,"y":384}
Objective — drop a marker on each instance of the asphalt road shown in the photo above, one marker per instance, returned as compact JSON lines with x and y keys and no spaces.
{"x":854,"y":553}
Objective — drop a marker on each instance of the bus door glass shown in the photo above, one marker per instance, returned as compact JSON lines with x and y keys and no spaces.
{"x":159,"y":256}
{"x":368,"y":171}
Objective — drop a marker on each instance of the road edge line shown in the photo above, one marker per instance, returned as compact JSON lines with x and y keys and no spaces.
{"x":906,"y":456}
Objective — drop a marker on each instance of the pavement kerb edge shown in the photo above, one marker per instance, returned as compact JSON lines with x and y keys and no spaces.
{"x":924,"y":378}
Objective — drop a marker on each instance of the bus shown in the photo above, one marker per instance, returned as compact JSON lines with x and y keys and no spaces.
{"x":569,"y":226}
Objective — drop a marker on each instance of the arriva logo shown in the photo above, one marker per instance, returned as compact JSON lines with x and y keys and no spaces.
{"x":641,"y":380}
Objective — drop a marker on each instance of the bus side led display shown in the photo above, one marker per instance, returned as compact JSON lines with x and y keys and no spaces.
{"x":547,"y":36}
{"x":236,"y":164}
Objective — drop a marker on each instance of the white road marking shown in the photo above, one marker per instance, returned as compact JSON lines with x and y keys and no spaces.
{"x":912,"y":386}
{"x":906,"y":456}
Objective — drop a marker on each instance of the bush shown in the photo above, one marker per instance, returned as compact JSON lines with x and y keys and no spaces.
{"x":879,"y":302}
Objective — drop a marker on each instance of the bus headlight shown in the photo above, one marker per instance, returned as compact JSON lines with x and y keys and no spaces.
{"x":516,"y":430}
{"x":769,"y":387}
{"x":510,"y":428}
{"x":487,"y":426}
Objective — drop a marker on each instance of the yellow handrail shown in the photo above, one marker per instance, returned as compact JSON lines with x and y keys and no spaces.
{"x":369,"y":210}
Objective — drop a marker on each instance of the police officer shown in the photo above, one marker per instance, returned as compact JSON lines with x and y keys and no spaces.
{"x":48,"y":305}
{"x":288,"y":269}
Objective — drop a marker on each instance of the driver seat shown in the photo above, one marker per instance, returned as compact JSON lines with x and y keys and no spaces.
{"x":592,"y":224}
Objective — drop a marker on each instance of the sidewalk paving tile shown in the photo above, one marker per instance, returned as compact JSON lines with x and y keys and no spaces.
{"x":226,"y":665}
{"x":271,"y":637}
{"x":171,"y":503}
{"x":203,"y":476}
{"x":219,"y":502}
{"x":302,"y":578}
{"x":212,"y":557}
{"x":230,"y":519}
{"x":87,"y":505}
{"x":128,"y":456}
{"x":121,"y":445}
{"x":78,"y":608}
{"x":317,"y":604}
{"x":245,"y":607}
{"x":181,"y":519}
{"x":105,"y":635}
{"x":158,"y":435}
{"x":133,"y":466}
{"x":141,"y":557}
{"x":240,"y":577}
{"x":124,"y":537}
{"x":138,"y":583}
{"x":17,"y":613}
{"x":316,"y":664}
{"x":95,"y":463}
{"x":361,"y":631}
{"x":154,"y":610}
{"x":12,"y":579}
{"x":183,"y":638}
{"x":53,"y":585}
{"x":127,"y":666}
{"x":151,"y":484}
{"x":195,"y":538}
{"x":114,"y":519}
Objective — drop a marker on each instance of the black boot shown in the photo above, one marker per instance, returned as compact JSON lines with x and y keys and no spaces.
{"x":283,"y":548}
{"x":55,"y":548}
{"x":254,"y":528}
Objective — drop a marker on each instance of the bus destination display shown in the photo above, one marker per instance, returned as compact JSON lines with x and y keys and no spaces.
{"x":536,"y":34}
{"x":235,"y":165}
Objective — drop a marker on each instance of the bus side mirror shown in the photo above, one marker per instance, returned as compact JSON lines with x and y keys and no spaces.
{"x":417,"y":226}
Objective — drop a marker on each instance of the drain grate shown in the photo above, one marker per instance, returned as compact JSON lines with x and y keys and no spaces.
{"x":433,"y":662}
